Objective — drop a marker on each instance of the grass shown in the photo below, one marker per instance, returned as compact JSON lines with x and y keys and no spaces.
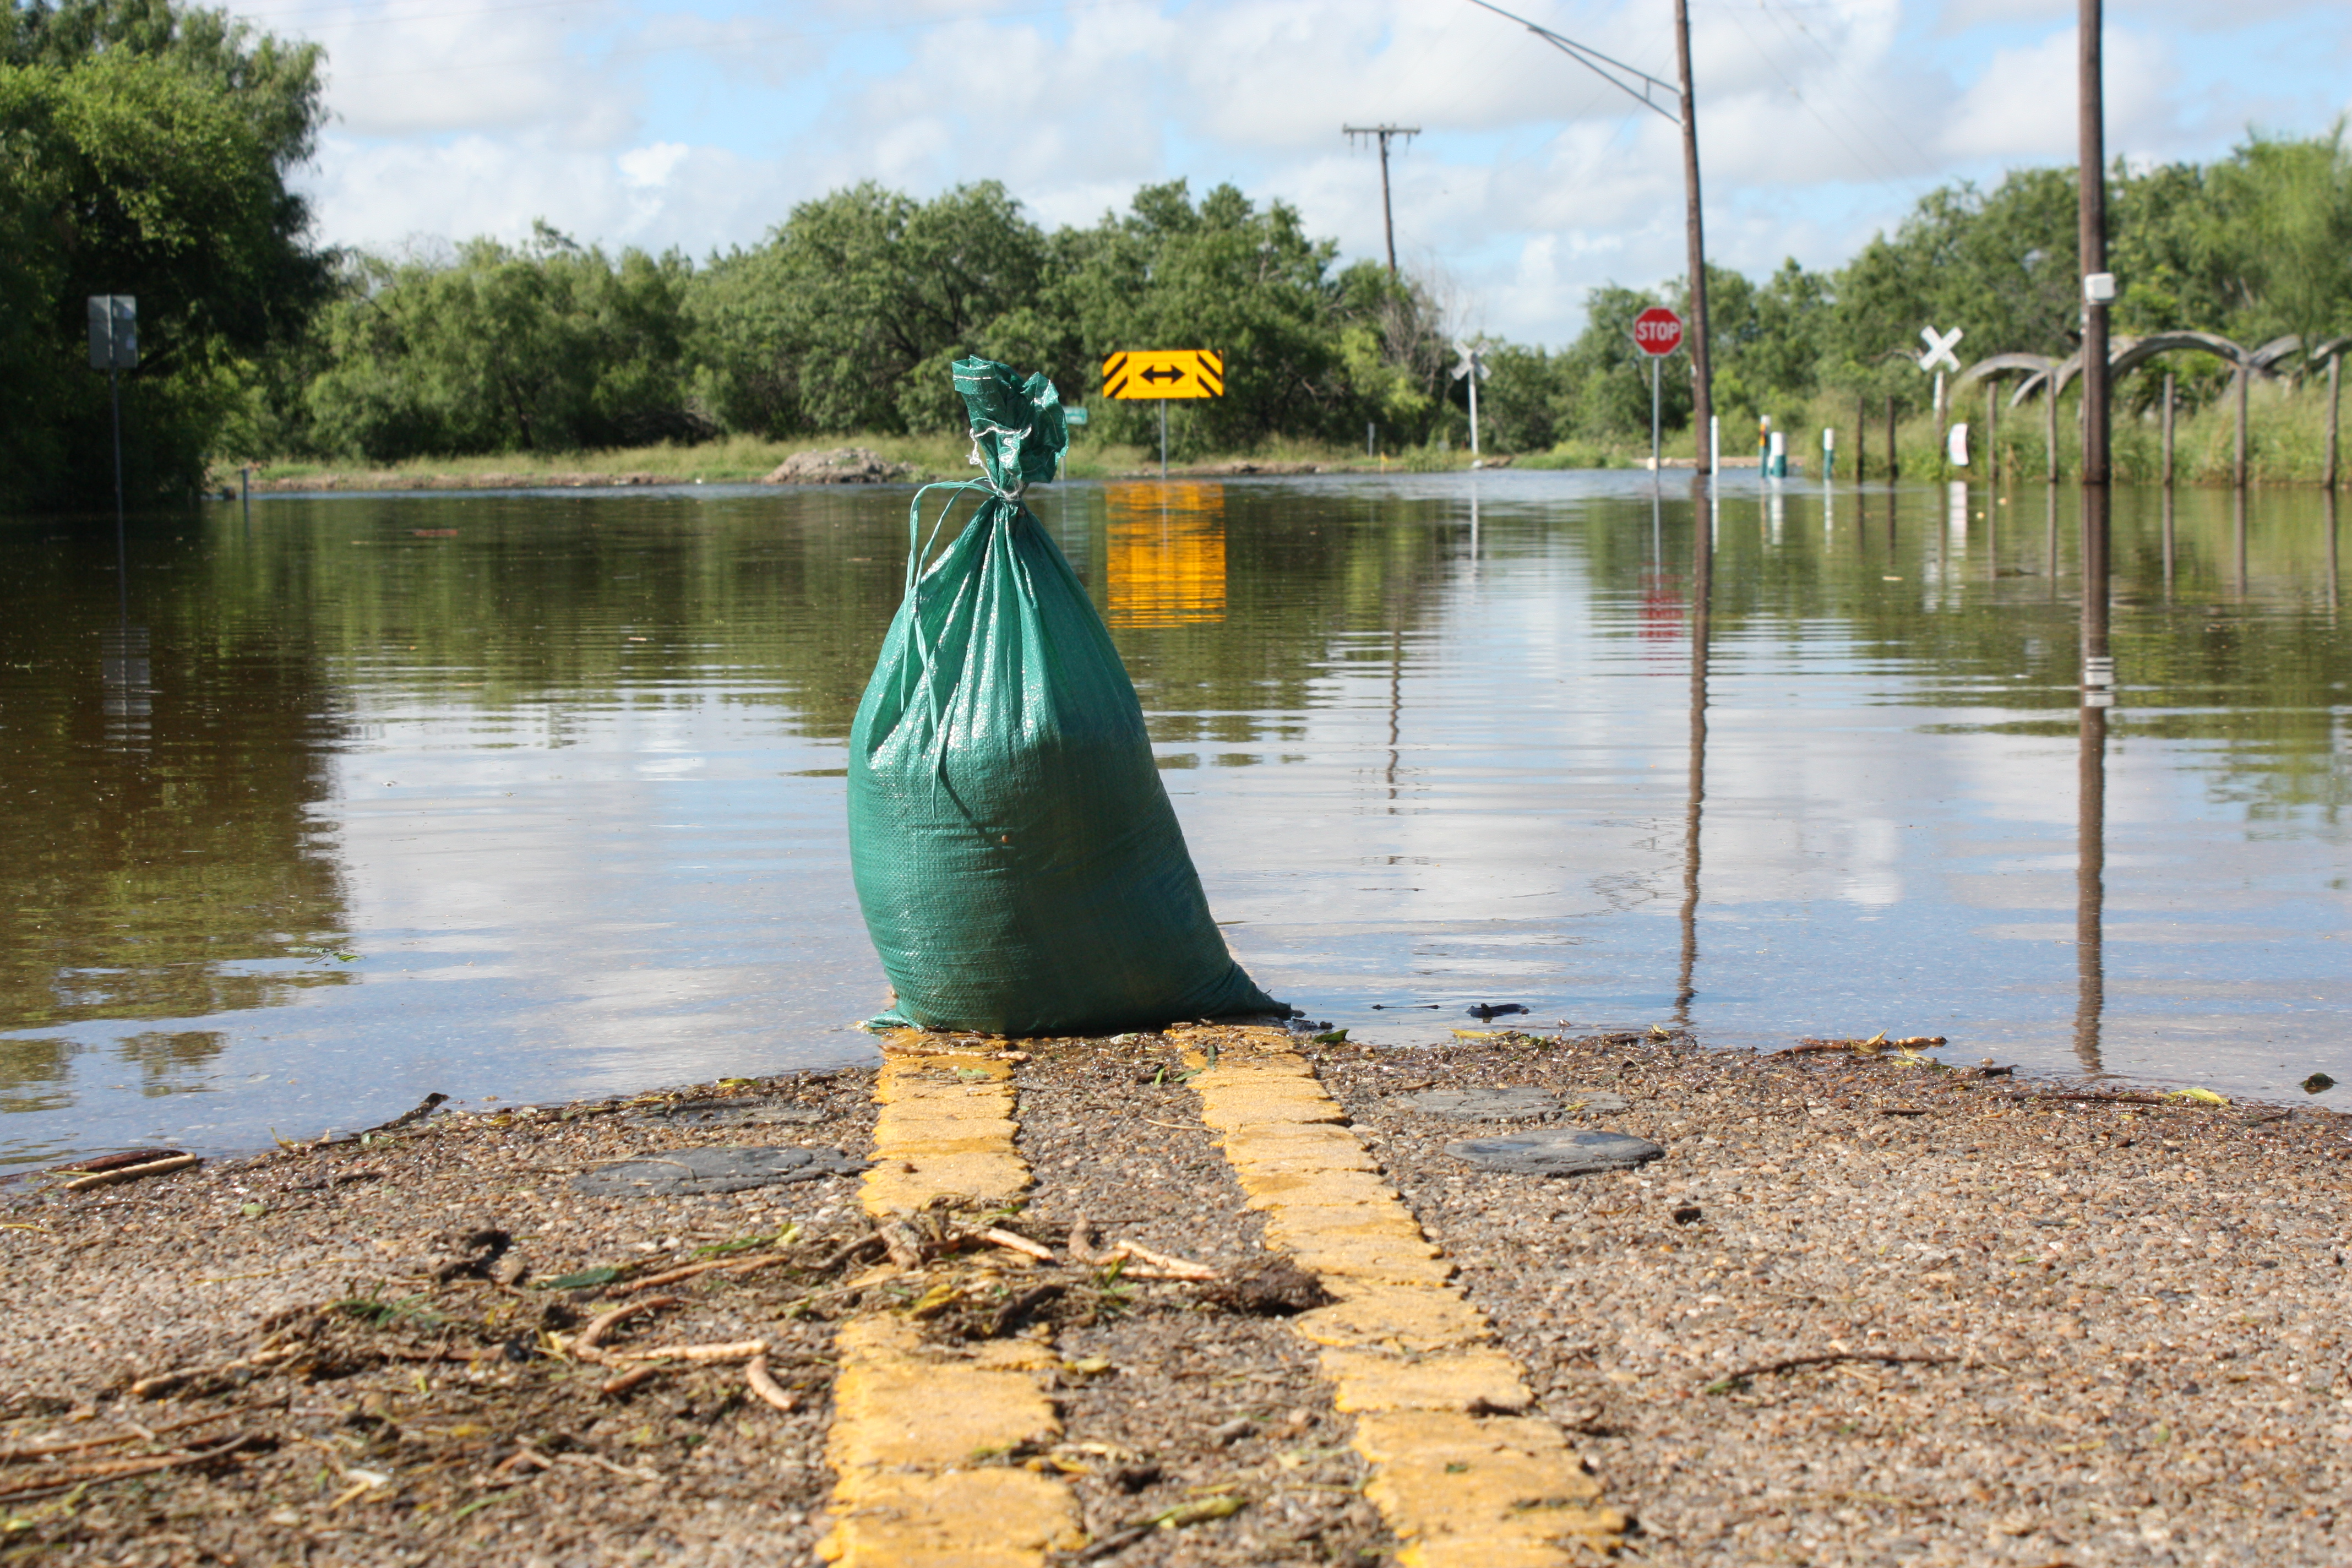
{"x":740,"y":460}
{"x":2286,"y":433}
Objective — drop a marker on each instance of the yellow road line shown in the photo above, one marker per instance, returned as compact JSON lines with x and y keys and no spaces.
{"x":1463,"y":1482}
{"x":914,"y":1426}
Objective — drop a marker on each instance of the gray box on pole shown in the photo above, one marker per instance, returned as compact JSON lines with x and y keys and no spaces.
{"x":113,"y":332}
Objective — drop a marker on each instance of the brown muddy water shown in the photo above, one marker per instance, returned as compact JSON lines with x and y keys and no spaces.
{"x":517,"y":796}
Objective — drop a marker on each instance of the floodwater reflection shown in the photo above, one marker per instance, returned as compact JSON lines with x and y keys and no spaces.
{"x":537,"y":795}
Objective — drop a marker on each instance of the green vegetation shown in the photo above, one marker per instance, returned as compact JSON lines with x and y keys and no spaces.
{"x":144,"y":149}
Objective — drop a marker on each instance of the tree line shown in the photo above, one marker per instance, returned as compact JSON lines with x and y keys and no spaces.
{"x":147,"y":148}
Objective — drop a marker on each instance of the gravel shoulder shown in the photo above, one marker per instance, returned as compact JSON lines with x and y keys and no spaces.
{"x":1862,"y":1312}
{"x":2054,"y":1329}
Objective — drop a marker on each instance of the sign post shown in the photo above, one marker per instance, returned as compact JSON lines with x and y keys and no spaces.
{"x":1161,"y":374}
{"x":114,"y":348}
{"x":1657,"y":332}
{"x":1473,"y":368}
{"x":1939,"y":358}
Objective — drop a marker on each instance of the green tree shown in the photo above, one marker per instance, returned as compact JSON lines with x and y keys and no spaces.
{"x":2001,"y":264}
{"x":850,"y":313}
{"x":146,"y":151}
{"x":550,"y":347}
{"x":2253,"y":247}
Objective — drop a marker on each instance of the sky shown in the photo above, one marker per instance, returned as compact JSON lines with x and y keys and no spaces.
{"x":698,"y":123}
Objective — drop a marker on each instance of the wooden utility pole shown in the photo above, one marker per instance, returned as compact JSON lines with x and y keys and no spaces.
{"x":2098,"y":285}
{"x":2335,"y":411}
{"x":1702,"y":372}
{"x":2167,"y":429}
{"x":2098,"y":289}
{"x":1645,"y":89}
{"x":1383,"y":135}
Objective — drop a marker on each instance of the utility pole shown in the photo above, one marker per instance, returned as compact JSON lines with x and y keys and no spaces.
{"x":2098,"y":283}
{"x":1646,"y":91}
{"x":1388,"y":212}
{"x":1702,"y":372}
{"x":2098,"y":290}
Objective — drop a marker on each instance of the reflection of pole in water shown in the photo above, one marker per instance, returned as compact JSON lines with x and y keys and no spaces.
{"x":2098,"y":668}
{"x":1473,"y":535}
{"x":1702,"y":593}
{"x":2050,"y":545}
{"x":1396,"y":699}
{"x":126,"y":674}
{"x":2091,"y":782}
{"x":2238,"y":533}
{"x":2329,"y":512}
{"x":1992,"y":534}
{"x":2090,"y":876}
{"x":2167,"y":535}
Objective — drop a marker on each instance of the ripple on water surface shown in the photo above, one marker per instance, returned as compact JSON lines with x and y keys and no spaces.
{"x":526,"y":797}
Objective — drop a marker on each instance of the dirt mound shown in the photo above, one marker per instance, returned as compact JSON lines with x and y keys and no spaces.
{"x":840,"y":466}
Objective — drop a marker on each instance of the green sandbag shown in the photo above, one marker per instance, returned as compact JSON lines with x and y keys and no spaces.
{"x":1020,"y":867}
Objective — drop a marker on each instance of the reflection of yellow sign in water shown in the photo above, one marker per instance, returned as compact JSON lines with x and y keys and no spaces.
{"x":1167,"y":555}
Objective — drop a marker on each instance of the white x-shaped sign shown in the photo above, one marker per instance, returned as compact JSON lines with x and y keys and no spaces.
{"x":1939,"y":348}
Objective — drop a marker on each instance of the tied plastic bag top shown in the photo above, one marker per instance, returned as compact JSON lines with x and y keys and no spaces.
{"x":1019,"y":866}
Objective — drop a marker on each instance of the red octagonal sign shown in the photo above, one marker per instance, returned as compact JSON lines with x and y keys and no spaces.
{"x":1657,"y":330}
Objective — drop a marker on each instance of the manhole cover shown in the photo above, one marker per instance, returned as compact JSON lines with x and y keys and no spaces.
{"x":719,"y":1169}
{"x":1481,"y":1104}
{"x":1564,"y":1152}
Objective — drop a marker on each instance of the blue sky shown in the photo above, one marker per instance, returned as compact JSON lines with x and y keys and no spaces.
{"x":654,"y":123}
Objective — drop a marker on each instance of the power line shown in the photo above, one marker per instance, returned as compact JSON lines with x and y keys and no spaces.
{"x":1608,"y":68}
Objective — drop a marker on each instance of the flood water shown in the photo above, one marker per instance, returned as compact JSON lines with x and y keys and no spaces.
{"x":534,"y":795}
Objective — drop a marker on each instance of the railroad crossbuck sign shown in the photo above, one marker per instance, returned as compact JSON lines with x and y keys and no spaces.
{"x":1940,"y":354}
{"x":1165,"y":372}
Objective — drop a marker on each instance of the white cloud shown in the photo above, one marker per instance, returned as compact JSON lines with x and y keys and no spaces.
{"x":2023,"y":106}
{"x":1532,"y":183}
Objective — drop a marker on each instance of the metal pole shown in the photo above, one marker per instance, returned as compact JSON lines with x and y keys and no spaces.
{"x":1702,"y":372}
{"x":1943,"y":433}
{"x":1654,"y":419}
{"x":1861,"y":437}
{"x":2091,"y":213}
{"x":1474,"y":405}
{"x":121,"y":536}
{"x":1894,"y":470}
{"x":1163,"y":439}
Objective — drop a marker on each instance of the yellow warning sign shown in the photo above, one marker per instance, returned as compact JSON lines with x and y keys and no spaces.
{"x":1165,"y":372}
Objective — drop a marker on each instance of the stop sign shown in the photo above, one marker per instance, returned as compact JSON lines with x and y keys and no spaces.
{"x":1657,"y":330}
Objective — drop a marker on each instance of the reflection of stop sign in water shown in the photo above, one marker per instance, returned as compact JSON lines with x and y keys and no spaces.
{"x":1657,"y":330}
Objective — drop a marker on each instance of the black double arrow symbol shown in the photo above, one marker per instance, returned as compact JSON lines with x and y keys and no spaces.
{"x":1163,"y":372}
